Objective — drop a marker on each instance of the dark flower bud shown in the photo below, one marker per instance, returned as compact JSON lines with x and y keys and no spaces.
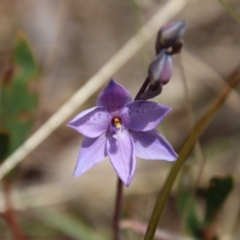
{"x":177,"y":47}
{"x":160,"y":69}
{"x":170,"y":34}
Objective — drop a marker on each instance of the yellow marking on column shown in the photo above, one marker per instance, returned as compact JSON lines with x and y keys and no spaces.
{"x":116,"y":121}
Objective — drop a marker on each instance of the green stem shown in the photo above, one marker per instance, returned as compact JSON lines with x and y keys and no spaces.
{"x":186,"y":149}
{"x":230,"y":10}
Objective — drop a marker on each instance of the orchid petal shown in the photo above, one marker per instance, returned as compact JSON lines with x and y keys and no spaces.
{"x":152,"y":145}
{"x":91,"y":152}
{"x":120,"y":149}
{"x":113,"y":97}
{"x":143,"y":115}
{"x":92,"y":122}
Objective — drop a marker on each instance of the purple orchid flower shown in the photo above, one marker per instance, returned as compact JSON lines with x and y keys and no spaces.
{"x":121,"y":129}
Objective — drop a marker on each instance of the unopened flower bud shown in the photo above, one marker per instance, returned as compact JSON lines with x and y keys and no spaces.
{"x":170,"y":34}
{"x":160,"y":69}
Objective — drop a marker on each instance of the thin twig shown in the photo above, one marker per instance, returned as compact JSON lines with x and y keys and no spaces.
{"x":211,"y":78}
{"x":230,"y":10}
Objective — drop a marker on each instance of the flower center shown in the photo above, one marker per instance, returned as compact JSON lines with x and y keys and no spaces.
{"x":117,"y":122}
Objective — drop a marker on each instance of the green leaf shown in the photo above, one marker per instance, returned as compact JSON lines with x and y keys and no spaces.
{"x":186,"y":203}
{"x":217,"y":192}
{"x":18,"y":95}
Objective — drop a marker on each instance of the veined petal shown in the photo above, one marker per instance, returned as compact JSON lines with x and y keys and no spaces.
{"x":143,"y":115}
{"x":113,"y":97}
{"x":152,"y":145}
{"x":120,"y":149}
{"x":92,"y":122}
{"x":91,"y":152}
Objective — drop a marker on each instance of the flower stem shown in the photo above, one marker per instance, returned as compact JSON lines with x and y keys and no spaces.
{"x":9,"y":214}
{"x":143,"y":88}
{"x":117,"y":212}
{"x":119,"y":193}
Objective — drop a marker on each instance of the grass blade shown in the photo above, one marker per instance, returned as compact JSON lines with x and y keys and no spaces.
{"x":186,"y":149}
